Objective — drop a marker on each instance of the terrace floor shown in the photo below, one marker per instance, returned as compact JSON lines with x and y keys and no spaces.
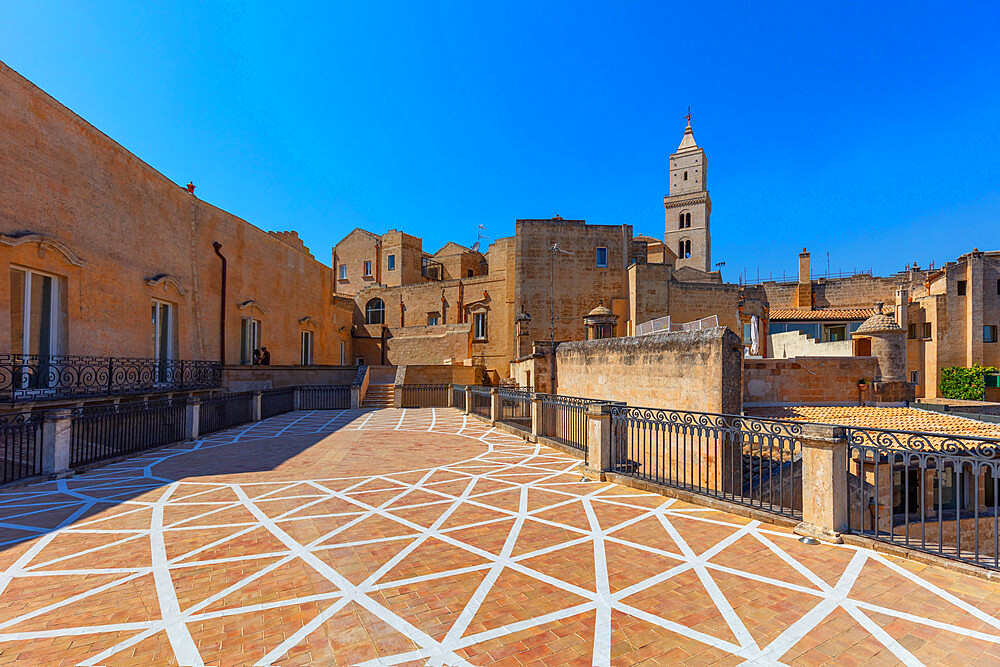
{"x":424,"y":537}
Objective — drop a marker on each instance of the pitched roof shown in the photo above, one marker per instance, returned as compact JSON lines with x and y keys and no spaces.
{"x":898,"y":419}
{"x":796,"y":314}
{"x":452,"y":248}
{"x":355,"y":231}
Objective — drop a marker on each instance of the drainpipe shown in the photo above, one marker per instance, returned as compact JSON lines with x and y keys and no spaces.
{"x":222,"y":306}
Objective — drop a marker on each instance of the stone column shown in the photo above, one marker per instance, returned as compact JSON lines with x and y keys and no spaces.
{"x":397,"y":396}
{"x":468,"y":401}
{"x":599,"y":441}
{"x":536,"y":415}
{"x":56,"y":439}
{"x":451,"y":396}
{"x":192,"y":417}
{"x":494,"y":405}
{"x":355,"y":396}
{"x":255,"y":406}
{"x":824,"y":482}
{"x":297,"y":399}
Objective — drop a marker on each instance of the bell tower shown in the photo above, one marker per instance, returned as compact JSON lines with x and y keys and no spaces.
{"x":688,"y":206}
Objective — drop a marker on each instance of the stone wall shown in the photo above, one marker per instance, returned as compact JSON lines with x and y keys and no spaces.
{"x":444,"y":343}
{"x":697,"y":370}
{"x":246,"y":378}
{"x":439,"y":374}
{"x":791,"y":344}
{"x":116,"y":234}
{"x":806,"y":380}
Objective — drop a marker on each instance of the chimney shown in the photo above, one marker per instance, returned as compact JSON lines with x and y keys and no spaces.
{"x":804,"y":292}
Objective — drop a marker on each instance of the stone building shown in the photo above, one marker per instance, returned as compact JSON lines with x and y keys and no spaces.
{"x":103,"y":256}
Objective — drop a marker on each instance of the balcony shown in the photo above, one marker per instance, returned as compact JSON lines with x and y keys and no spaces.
{"x":26,"y":378}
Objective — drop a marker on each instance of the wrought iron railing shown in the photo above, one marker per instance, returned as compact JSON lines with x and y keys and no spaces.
{"x":276,"y":401}
{"x":29,"y":377}
{"x":515,"y":408}
{"x":424,"y":395}
{"x":564,"y":419}
{"x":108,"y":431}
{"x":221,"y":412}
{"x":458,"y":396}
{"x":933,"y":492}
{"x":20,"y":446}
{"x":480,"y":401}
{"x":753,"y":462}
{"x":324,"y":397}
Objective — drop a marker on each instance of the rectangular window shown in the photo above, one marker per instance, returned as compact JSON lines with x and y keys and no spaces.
{"x":368,"y":269}
{"x":37,"y":313}
{"x":432,"y":320}
{"x":306,"y":348}
{"x":479,"y":326}
{"x":343,"y":272}
{"x":343,"y":356}
{"x":926,"y":333}
{"x":164,"y":328}
{"x":390,"y":263}
{"x":990,"y":333}
{"x":915,"y":377}
{"x":602,"y":257}
{"x":998,"y":285}
{"x":249,"y":341}
{"x":912,"y":332}
{"x":961,"y":288}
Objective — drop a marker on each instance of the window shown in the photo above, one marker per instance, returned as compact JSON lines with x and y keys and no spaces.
{"x":603,"y":331}
{"x":915,"y":377}
{"x":35,"y":312}
{"x":471,"y":273}
{"x":990,"y":333}
{"x":833,"y":333}
{"x":164,"y":327}
{"x":685,"y":175}
{"x":306,"y":348}
{"x":684,"y":220}
{"x":479,"y":326}
{"x":375,"y":312}
{"x":368,"y":269}
{"x":912,"y":332}
{"x":602,"y":257}
{"x":343,"y":356}
{"x":343,"y":272}
{"x":249,"y":339}
{"x":998,"y":285}
{"x":684,"y":249}
{"x":432,"y":320}
{"x":961,"y":288}
{"x":926,"y":333}
{"x":390,"y":262}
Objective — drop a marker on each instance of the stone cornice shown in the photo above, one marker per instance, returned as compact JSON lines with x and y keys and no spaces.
{"x":308,"y":321}
{"x":166,"y":279}
{"x":250,"y":304}
{"x":44,"y":242}
{"x":678,"y":201}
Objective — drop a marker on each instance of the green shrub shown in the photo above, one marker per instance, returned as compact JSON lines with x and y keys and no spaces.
{"x":964,"y":383}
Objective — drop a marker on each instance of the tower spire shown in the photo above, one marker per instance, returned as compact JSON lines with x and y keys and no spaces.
{"x":687,"y":141}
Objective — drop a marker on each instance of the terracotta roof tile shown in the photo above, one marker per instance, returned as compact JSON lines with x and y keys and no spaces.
{"x":796,"y":314}
{"x":899,"y":419}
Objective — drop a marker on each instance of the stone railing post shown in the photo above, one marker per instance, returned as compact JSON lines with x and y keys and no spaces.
{"x":824,"y":482}
{"x":536,"y":414}
{"x":192,"y":417}
{"x":494,"y":404}
{"x":397,"y":396}
{"x":599,"y":440}
{"x":355,"y":397}
{"x":255,"y":406}
{"x":468,"y":401}
{"x":57,"y":435}
{"x":297,"y":399}
{"x":451,"y":396}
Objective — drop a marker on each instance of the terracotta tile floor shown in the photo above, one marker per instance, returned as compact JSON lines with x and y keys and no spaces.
{"x":424,"y":537}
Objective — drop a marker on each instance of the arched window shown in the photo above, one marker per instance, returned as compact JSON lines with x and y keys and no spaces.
{"x":680,"y":221}
{"x":687,"y":248}
{"x":684,"y":220}
{"x":685,"y":175}
{"x":375,"y":312}
{"x":684,"y":249}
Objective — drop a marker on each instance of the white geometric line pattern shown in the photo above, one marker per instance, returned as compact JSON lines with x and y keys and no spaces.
{"x":422,"y":536}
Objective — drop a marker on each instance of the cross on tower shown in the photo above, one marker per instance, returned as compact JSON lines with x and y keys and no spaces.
{"x":688,"y":117}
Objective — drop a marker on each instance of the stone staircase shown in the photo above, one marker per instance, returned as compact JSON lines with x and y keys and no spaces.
{"x":378,"y":396}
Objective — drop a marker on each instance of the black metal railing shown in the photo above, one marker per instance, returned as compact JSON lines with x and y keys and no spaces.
{"x":324,"y":397}
{"x":515,"y":408}
{"x":30,"y":377}
{"x":108,"y":431}
{"x":932,"y":492}
{"x":458,"y":396}
{"x":424,"y":395}
{"x":276,"y":401}
{"x":564,"y":419}
{"x":480,"y":401}
{"x":221,"y":412}
{"x":754,"y":462}
{"x":20,"y":446}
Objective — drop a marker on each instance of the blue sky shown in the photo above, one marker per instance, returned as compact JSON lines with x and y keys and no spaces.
{"x":868,"y":131}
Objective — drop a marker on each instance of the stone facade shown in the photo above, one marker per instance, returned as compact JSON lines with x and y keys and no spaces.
{"x":807,"y":380}
{"x":688,"y":208}
{"x":110,"y":237}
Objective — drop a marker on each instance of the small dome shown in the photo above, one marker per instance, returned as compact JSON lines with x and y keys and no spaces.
{"x":600,"y":311}
{"x":879,"y":322}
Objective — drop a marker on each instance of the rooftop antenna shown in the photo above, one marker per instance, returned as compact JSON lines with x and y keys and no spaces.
{"x":479,"y":237}
{"x":553,"y":251}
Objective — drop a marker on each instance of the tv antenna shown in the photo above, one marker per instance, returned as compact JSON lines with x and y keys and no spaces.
{"x":554,"y":250}
{"x":479,"y":237}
